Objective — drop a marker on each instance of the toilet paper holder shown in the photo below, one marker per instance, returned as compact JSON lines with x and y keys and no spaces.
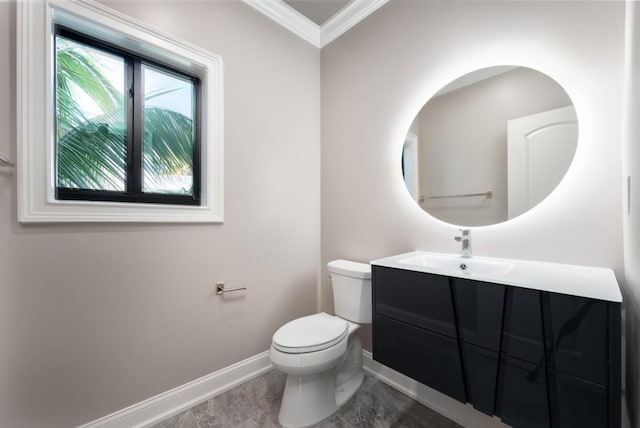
{"x":220,"y":288}
{"x":6,"y":163}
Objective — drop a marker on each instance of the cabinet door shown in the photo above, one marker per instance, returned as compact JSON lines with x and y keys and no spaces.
{"x":481,"y":372}
{"x":427,"y":357}
{"x":580,"y":403}
{"x":479,"y":307}
{"x":523,"y":336}
{"x":522,"y":394}
{"x":579,"y":336}
{"x":417,"y":298}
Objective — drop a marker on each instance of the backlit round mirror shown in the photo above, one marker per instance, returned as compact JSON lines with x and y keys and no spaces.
{"x":490,"y":146}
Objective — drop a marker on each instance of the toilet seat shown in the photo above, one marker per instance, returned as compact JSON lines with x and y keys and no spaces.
{"x":310,"y":334}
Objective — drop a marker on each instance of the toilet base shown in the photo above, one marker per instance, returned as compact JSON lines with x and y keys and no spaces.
{"x":310,"y":398}
{"x":346,"y":391}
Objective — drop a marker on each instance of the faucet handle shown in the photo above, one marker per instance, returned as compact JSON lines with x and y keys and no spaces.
{"x":464,"y":233}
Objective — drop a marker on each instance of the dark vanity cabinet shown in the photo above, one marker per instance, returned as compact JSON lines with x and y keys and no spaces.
{"x":532,"y":358}
{"x":414,"y":313}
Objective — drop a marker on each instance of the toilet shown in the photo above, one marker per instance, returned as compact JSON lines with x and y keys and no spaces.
{"x":322,"y":354}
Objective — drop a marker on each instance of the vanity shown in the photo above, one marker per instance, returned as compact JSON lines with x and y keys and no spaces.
{"x":535,"y":344}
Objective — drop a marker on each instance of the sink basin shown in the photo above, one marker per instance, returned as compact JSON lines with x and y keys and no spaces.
{"x":585,"y":281}
{"x":451,"y":262}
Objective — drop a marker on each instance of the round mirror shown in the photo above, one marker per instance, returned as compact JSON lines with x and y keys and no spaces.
{"x":490,"y":145}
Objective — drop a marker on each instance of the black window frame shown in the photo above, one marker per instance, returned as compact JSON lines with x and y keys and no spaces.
{"x":134,"y":171}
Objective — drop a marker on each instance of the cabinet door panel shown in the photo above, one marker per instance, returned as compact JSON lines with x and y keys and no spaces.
{"x":480,"y":306}
{"x":579,"y":336}
{"x":522,"y":394}
{"x":417,"y":298}
{"x":427,"y":357}
{"x":481,"y":371}
{"x":580,"y":403}
{"x":523,"y":336}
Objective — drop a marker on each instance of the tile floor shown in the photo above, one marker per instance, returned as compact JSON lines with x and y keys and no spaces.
{"x":256,"y":403}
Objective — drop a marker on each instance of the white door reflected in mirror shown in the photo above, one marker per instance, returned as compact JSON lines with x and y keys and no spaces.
{"x":540,"y":150}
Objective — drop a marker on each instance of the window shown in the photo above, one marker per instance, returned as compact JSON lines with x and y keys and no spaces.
{"x":126,"y":127}
{"x":131,"y":124}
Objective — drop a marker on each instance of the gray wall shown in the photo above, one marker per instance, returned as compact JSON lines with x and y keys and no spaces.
{"x":376,"y":77}
{"x":94,"y":318}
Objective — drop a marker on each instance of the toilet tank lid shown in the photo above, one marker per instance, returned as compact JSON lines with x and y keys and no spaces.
{"x":349,"y":268}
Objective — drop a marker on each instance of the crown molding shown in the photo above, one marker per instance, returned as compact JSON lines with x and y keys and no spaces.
{"x":319,"y":36}
{"x":289,"y":18}
{"x":349,"y":16}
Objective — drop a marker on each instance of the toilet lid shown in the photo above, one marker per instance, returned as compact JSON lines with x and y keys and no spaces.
{"x":309,"y":334}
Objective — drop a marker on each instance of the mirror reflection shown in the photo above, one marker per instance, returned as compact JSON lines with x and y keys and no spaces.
{"x":490,"y":146}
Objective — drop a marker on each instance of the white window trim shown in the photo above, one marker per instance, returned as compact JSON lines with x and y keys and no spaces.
{"x":35,"y":112}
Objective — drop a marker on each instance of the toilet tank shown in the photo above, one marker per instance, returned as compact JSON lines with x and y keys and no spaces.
{"x":351,"y":290}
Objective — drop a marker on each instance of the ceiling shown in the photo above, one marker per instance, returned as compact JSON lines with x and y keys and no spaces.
{"x":319,"y":22}
{"x":319,"y":11}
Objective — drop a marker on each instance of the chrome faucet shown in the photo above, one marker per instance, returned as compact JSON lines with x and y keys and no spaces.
{"x":465,"y":238}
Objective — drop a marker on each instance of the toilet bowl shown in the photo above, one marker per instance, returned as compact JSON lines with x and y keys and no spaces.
{"x":322,"y":354}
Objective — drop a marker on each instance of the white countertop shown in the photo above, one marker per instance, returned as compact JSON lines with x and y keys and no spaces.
{"x":584,"y":281}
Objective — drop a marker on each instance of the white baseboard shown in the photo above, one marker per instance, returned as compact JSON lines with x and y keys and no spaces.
{"x":176,"y":400}
{"x":463,"y":414}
